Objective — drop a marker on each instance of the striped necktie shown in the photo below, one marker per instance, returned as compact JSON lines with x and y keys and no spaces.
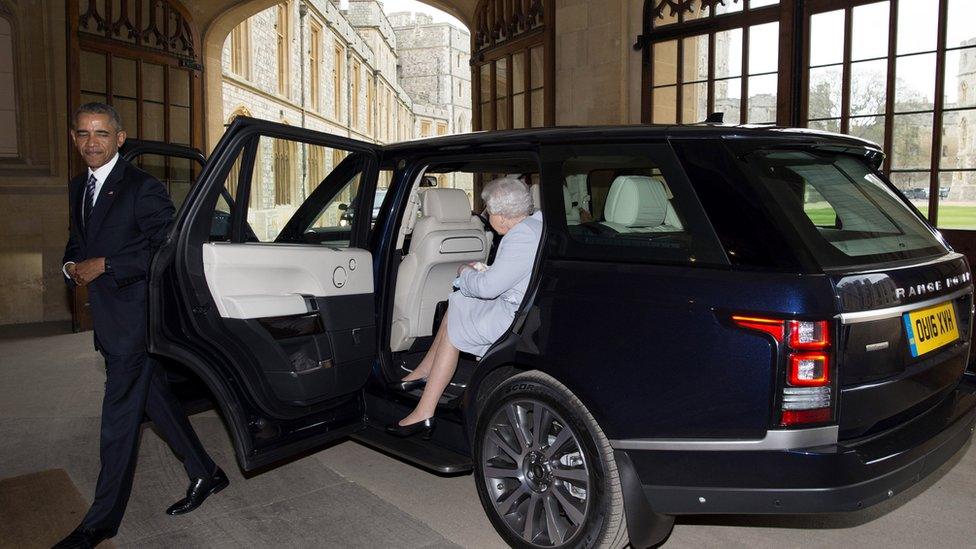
{"x":89,"y":198}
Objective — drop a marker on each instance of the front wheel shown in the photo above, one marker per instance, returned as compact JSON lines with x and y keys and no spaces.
{"x":545,"y":471}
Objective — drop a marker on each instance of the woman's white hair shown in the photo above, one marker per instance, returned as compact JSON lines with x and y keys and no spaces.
{"x":508,"y":197}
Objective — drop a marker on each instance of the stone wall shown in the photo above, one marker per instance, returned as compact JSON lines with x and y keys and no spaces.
{"x":593,"y":64}
{"x":33,"y":185}
{"x":369,"y":41}
{"x":434,"y":67}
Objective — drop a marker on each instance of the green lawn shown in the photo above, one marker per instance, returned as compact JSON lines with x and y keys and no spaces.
{"x":950,"y":217}
{"x":956,"y":217}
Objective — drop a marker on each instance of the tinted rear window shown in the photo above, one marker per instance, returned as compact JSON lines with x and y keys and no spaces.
{"x":842,"y":209}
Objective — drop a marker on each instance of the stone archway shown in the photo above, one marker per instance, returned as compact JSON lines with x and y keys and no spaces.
{"x":220,"y":21}
{"x":213,"y":44}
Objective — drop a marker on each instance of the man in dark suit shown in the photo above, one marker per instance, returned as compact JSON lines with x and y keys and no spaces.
{"x":119,"y":216}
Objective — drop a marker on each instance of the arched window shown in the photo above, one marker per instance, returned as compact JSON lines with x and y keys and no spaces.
{"x":513,"y":73}
{"x":702,"y":57}
{"x":141,"y":57}
{"x":895,"y":72}
{"x":338,"y":62}
{"x":239,"y":44}
{"x":315,"y":64}
{"x":283,"y":46}
{"x":8,"y":98}
{"x":284,"y":180}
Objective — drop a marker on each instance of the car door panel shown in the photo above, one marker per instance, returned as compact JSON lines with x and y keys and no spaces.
{"x":283,"y":332}
{"x":306,"y":300}
{"x":248,"y":279}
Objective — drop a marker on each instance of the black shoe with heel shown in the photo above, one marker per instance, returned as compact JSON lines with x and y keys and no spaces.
{"x":425,"y":427}
{"x":407,"y":386}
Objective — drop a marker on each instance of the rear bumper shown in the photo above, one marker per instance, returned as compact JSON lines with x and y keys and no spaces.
{"x":846,"y":476}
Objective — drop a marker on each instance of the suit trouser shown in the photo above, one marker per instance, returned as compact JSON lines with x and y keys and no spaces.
{"x":136,"y":385}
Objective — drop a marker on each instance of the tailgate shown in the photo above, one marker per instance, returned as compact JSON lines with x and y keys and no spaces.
{"x":904,"y":341}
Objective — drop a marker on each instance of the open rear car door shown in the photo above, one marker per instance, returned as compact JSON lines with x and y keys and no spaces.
{"x":265,"y":287}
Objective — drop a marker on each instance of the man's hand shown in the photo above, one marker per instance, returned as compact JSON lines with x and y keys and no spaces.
{"x":86,"y":271}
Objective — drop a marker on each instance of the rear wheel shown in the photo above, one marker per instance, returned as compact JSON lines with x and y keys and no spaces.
{"x":544,"y":469}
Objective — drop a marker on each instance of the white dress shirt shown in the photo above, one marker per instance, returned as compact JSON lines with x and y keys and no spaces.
{"x":101,"y":174}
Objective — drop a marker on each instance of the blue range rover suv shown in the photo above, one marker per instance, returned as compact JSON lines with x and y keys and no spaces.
{"x":721,"y":319}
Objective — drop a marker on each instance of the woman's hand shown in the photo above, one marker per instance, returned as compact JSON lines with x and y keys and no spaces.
{"x":464,"y":267}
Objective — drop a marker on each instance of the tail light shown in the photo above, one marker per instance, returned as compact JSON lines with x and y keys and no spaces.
{"x":809,"y":335}
{"x":807,"y":395}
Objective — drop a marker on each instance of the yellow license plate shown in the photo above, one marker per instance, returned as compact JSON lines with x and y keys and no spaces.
{"x":931,"y":328}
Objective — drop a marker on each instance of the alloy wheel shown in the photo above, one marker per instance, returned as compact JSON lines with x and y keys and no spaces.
{"x":536,"y":473}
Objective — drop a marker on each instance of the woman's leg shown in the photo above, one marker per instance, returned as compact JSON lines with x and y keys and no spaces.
{"x":423,"y":369}
{"x":442,"y":370}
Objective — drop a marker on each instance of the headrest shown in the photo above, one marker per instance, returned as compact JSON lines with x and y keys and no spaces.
{"x":637,"y":201}
{"x":446,"y":205}
{"x":536,"y":196}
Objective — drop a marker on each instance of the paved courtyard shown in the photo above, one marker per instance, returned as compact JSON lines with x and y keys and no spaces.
{"x":347,"y":495}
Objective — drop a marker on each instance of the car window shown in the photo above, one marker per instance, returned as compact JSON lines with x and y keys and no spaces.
{"x":818,"y":209}
{"x":338,"y":213}
{"x":738,"y":213}
{"x":628,"y":202}
{"x":177,"y":174}
{"x":220,"y":226}
{"x":437,"y":175}
{"x":870,"y":223}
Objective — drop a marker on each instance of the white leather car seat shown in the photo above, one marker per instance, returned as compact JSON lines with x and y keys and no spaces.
{"x":445,"y":236}
{"x":640,"y":203}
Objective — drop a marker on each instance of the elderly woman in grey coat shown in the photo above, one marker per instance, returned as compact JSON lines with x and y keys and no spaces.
{"x":485,"y":303}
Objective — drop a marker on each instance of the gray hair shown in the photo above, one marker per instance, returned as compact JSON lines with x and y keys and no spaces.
{"x":508,"y":197}
{"x":99,"y":108}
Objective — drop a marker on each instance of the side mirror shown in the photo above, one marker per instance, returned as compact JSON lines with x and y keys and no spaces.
{"x":343,"y":207}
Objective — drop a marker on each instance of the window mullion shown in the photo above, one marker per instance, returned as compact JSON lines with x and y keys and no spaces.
{"x":939,"y":103}
{"x":711,"y":75}
{"x":845,"y":99}
{"x":889,"y":139}
{"x":680,"y":79}
{"x":493,"y":78}
{"x":509,"y":87}
{"x":744,"y":85}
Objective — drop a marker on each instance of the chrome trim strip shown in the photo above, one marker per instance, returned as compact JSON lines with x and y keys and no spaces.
{"x":774,"y":440}
{"x":892,"y":312}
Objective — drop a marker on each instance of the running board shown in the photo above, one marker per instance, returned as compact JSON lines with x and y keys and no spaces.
{"x":425,"y":455}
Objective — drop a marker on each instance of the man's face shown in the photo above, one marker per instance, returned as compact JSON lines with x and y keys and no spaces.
{"x":97,"y":138}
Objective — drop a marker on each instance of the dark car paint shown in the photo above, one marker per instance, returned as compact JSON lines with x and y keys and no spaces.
{"x":600,"y":362}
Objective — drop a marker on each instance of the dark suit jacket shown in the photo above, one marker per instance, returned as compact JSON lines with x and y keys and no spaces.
{"x":131,"y":218}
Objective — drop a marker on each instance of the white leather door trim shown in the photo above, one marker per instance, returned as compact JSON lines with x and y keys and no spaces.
{"x":256,"y":280}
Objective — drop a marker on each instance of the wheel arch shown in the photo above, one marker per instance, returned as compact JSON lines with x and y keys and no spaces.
{"x":489,"y":376}
{"x":225,"y":399}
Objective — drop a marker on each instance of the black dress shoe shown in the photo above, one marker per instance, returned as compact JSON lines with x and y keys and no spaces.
{"x":84,"y":538}
{"x":407,"y":386}
{"x":426,"y":427}
{"x":199,"y":490}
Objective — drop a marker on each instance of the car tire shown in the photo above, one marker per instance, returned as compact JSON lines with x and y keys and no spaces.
{"x":565,"y":479}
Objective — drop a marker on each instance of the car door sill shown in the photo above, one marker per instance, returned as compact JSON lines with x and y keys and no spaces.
{"x":428,"y":456}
